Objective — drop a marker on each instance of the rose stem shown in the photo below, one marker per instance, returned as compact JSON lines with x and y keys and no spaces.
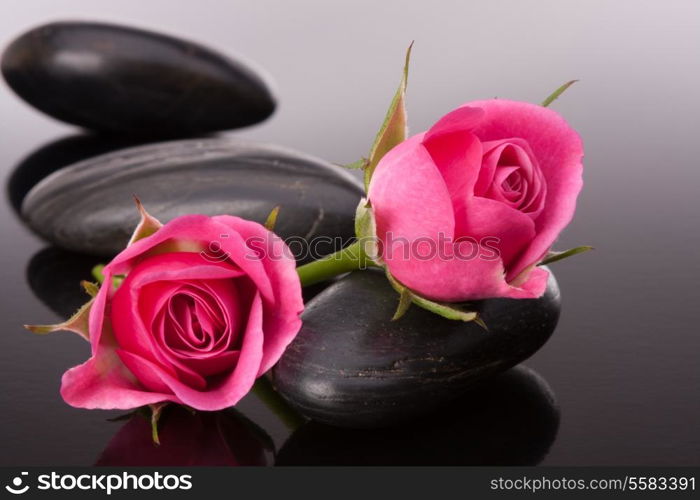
{"x":348,"y":259}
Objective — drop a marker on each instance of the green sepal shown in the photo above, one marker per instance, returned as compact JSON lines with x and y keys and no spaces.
{"x":156,"y":412}
{"x":357,"y":165}
{"x":366,"y":230}
{"x":554,"y":95}
{"x":78,"y":323}
{"x":394,"y":129}
{"x":457,"y":312}
{"x":90,"y":288}
{"x":405,"y":301}
{"x":146,"y":226}
{"x":271,"y":220}
{"x":447,"y":310}
{"x":555,"y":256}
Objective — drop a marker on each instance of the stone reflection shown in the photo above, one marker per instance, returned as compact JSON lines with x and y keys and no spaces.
{"x":224,"y":438}
{"x":511,"y":420}
{"x":55,"y":155}
{"x":54,"y":276}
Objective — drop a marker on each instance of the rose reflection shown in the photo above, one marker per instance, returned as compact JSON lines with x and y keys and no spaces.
{"x":224,"y":438}
{"x":55,"y":155}
{"x":512,"y":420}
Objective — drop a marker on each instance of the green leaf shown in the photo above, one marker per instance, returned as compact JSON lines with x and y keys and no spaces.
{"x":271,"y":220}
{"x":554,"y":95}
{"x":394,"y":129}
{"x":357,"y":165}
{"x":98,"y":274}
{"x":555,"y":256}
{"x":444,"y":309}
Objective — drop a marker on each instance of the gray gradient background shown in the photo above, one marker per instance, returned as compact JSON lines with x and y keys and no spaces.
{"x":624,"y":360}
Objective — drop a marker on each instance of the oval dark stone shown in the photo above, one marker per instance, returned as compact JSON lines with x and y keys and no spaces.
{"x":119,"y":79}
{"x":511,"y":419}
{"x":88,"y":207}
{"x":55,"y":155}
{"x":351,"y":366}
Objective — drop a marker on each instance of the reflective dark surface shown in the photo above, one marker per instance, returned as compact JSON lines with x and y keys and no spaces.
{"x":511,"y":420}
{"x":224,"y":438}
{"x":623,"y":362}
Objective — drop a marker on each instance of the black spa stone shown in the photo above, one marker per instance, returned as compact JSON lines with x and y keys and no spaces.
{"x":351,"y":366}
{"x":88,"y":207}
{"x":124,"y":80}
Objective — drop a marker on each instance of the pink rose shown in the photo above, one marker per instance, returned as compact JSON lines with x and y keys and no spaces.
{"x":499,"y":177}
{"x":188,"y":325}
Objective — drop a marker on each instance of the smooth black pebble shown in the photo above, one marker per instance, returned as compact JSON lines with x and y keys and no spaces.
{"x":125,"y":80}
{"x":511,"y":419}
{"x":55,"y":155}
{"x":88,"y":207}
{"x":351,"y":366}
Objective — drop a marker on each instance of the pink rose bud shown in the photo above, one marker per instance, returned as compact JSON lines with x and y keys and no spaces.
{"x":206,"y":306}
{"x":467,"y":210}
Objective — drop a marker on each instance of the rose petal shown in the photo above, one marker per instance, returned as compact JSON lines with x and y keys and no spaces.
{"x":129,"y":329}
{"x":212,"y":365}
{"x":449,"y":278}
{"x":196,"y":232}
{"x":456,"y":152}
{"x":281,"y":319}
{"x":559,"y":151}
{"x":408,"y":175}
{"x":97,"y":311}
{"x":103,"y":382}
{"x":465,"y":118}
{"x":231,"y":388}
{"x":484,"y":218}
{"x":146,"y":377}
